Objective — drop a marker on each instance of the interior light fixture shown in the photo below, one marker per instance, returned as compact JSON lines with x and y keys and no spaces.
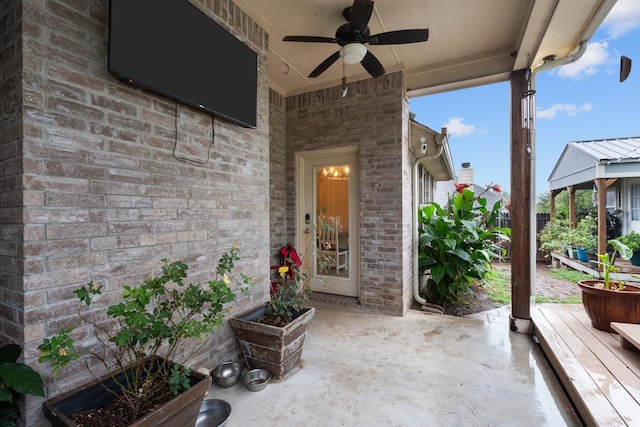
{"x":353,"y":53}
{"x":336,"y":173}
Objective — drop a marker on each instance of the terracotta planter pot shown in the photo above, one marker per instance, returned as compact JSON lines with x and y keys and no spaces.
{"x":274,"y":348}
{"x":181,"y":411}
{"x":604,"y":306}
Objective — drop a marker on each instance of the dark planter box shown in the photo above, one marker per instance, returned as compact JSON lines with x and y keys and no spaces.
{"x":277,"y":349}
{"x":181,"y":411}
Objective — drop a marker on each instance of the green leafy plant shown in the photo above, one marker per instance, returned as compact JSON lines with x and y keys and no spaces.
{"x":162,"y":320}
{"x":631,"y":240}
{"x":552,"y":235}
{"x":585,"y":234}
{"x":15,"y":379}
{"x":607,"y":262}
{"x":457,"y":244}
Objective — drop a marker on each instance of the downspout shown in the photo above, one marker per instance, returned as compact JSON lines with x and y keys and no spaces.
{"x":551,"y":63}
{"x":414,"y":177}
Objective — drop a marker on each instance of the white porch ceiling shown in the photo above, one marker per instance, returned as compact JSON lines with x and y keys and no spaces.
{"x":471,"y":42}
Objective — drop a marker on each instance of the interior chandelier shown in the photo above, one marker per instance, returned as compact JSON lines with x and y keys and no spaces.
{"x":340,"y":173}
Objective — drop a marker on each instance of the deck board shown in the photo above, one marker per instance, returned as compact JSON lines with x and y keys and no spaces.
{"x":629,"y":334}
{"x":601,"y":378}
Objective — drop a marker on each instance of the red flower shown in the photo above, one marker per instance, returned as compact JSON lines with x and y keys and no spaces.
{"x":460,"y":187}
{"x":495,"y":187}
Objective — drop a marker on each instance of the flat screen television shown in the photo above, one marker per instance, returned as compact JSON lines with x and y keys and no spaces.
{"x":172,"y":48}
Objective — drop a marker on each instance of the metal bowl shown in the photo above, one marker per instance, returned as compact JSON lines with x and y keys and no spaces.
{"x":256,"y":379}
{"x":213,"y":413}
{"x":227,"y":374}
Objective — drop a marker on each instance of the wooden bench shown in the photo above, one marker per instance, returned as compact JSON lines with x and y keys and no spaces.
{"x":629,"y":334}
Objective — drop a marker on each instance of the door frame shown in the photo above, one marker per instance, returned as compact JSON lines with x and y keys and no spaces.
{"x":354,"y":208}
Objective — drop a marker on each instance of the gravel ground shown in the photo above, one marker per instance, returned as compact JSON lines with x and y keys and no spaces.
{"x":546,"y":285}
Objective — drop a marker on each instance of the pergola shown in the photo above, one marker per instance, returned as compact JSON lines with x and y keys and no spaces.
{"x":584,"y":165}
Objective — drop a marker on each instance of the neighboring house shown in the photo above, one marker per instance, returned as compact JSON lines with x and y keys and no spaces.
{"x":93,"y":185}
{"x":444,"y":189}
{"x":612,"y":167}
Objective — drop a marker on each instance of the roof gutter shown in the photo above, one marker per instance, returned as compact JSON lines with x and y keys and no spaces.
{"x":552,"y":63}
{"x":441,"y":140}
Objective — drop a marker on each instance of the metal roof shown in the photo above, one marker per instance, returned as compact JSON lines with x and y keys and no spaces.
{"x":581,"y":162}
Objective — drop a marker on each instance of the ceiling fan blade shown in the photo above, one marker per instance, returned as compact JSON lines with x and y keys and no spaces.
{"x":372,"y":65}
{"x":325,"y":64}
{"x":360,"y":14}
{"x":400,"y":37}
{"x":310,"y":39}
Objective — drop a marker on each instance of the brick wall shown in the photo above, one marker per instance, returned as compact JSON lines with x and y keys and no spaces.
{"x":277,"y":175}
{"x":104,"y":197}
{"x":374,"y":116}
{"x":11,"y":230}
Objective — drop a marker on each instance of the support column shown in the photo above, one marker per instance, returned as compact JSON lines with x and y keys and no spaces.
{"x":602,"y":215}
{"x":572,"y":206}
{"x":520,"y":209}
{"x":552,"y":205}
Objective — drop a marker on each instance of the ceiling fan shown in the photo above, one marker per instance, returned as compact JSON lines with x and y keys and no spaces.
{"x":352,"y":37}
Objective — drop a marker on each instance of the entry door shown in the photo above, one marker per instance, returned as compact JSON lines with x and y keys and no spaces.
{"x":327,"y":194}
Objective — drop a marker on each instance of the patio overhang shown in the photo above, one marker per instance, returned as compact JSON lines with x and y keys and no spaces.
{"x":470,"y":43}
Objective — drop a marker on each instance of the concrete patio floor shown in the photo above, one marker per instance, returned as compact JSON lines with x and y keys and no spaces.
{"x":366,"y":369}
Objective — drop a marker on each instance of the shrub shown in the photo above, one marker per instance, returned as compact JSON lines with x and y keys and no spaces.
{"x":457,"y":244}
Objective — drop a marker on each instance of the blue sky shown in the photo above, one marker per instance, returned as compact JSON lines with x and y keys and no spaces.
{"x":580,"y":101}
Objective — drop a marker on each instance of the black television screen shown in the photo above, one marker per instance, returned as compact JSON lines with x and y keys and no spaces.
{"x":172,"y":48}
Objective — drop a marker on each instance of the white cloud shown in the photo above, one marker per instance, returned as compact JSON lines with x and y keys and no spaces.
{"x":456,"y":126}
{"x":597,"y":54}
{"x":624,"y":17}
{"x":571,"y":110}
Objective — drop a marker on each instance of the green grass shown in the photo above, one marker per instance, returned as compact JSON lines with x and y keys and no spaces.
{"x":499,"y":287}
{"x":570,"y":275}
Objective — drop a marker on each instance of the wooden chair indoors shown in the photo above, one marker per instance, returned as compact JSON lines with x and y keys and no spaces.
{"x":328,"y":240}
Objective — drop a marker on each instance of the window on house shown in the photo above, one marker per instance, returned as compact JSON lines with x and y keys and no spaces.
{"x":426,"y":186}
{"x":635,"y":202}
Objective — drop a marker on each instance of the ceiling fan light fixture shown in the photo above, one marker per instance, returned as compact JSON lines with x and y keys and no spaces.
{"x":353,"y":53}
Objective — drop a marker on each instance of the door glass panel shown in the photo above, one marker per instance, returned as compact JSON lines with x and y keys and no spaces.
{"x":332,"y":209}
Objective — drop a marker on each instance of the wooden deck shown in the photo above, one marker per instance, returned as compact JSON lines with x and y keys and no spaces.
{"x":601,"y":378}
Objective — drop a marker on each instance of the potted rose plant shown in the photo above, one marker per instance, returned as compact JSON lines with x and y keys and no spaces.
{"x":609,"y":300}
{"x":145,"y":346}
{"x":272,"y":336}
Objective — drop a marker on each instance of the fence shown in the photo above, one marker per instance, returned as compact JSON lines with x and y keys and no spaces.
{"x":541,"y":220}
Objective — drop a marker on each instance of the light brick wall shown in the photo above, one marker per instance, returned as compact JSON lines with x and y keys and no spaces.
{"x":11,"y":229}
{"x":277,"y":175}
{"x":91,"y":189}
{"x":374,"y":116}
